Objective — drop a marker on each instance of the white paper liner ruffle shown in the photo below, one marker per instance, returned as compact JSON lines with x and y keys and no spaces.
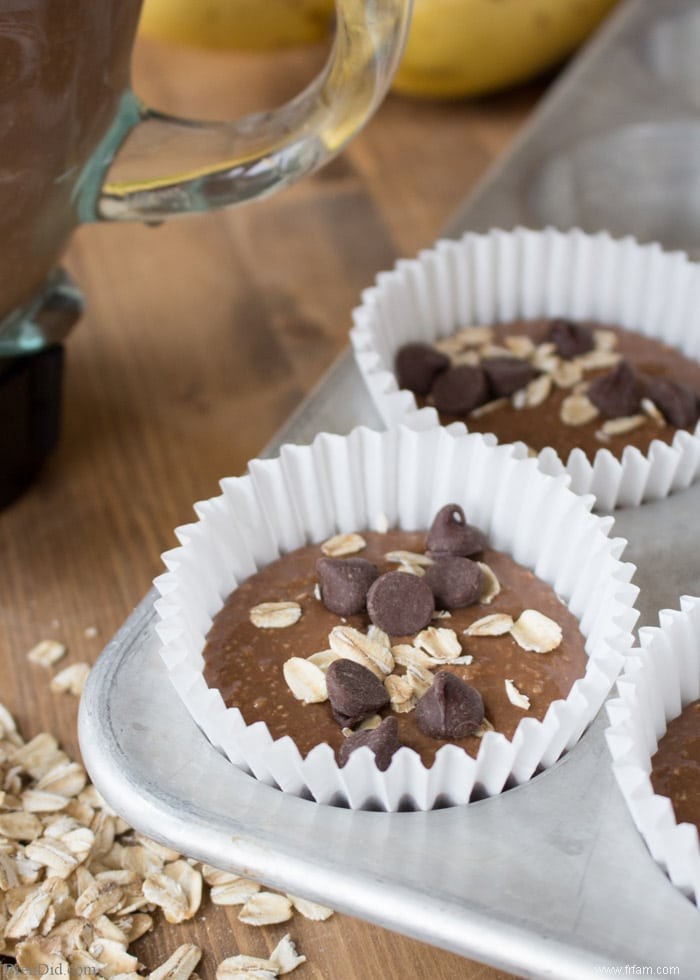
{"x":502,"y":276}
{"x":659,"y":680}
{"x":342,"y":484}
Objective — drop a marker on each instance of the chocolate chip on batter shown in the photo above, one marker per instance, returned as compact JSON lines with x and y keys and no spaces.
{"x":383,"y":741}
{"x":676,"y":401}
{"x":344,"y":583}
{"x":616,"y":394}
{"x":460,"y":389}
{"x":570,"y":339}
{"x":399,"y":603}
{"x":354,"y":692}
{"x":507,"y":375}
{"x":455,"y":581}
{"x":450,"y":534}
{"x":417,"y":366}
{"x":449,"y":708}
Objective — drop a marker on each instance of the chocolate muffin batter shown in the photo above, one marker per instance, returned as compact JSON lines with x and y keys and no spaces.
{"x":245,"y":662}
{"x":541,"y":426}
{"x":675,"y":769}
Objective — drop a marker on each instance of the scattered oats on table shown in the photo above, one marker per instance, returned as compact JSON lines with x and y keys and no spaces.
{"x":71,"y":679}
{"x":78,"y":886}
{"x":47,"y":652}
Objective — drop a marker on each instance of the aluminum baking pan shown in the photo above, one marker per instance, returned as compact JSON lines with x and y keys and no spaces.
{"x":550,"y":879}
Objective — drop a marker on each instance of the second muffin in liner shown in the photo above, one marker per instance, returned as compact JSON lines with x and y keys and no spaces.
{"x":505,"y":276}
{"x":401,"y":477}
{"x":660,"y":679}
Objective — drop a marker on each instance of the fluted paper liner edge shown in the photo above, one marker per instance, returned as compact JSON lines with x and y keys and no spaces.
{"x":525,"y":274}
{"x":660,"y":679}
{"x":342,"y":484}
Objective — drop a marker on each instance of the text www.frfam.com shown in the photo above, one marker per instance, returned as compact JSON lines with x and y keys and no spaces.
{"x":12,"y":971}
{"x":632,"y":970}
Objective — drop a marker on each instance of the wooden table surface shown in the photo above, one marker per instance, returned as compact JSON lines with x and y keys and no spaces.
{"x":199,"y":339}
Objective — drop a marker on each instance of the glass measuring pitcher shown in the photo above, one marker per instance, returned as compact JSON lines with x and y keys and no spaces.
{"x":76,"y":145}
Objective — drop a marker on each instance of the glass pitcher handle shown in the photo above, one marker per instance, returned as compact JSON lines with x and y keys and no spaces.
{"x":197,"y":166}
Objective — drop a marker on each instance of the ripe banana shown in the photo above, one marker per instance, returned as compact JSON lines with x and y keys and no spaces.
{"x":239,"y":24}
{"x":454,"y":48}
{"x":469,"y":47}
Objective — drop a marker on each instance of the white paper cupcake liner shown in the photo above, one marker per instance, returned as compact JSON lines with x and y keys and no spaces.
{"x":503,"y":276}
{"x":342,"y":484}
{"x":659,"y":680}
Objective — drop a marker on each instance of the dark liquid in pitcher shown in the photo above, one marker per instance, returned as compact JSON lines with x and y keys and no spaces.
{"x":64,"y":65}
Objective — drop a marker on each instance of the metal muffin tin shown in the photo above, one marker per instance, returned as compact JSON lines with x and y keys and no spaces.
{"x":550,"y":879}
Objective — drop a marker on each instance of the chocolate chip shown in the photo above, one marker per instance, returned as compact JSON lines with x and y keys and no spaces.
{"x":507,"y":374}
{"x":449,"y":708}
{"x":616,"y":394}
{"x":450,"y":534}
{"x":400,"y":603}
{"x":460,"y":389}
{"x":417,"y":366}
{"x":354,"y":692}
{"x":455,"y":582}
{"x":570,"y":339}
{"x":383,"y":741}
{"x":344,"y":583}
{"x":676,"y":401}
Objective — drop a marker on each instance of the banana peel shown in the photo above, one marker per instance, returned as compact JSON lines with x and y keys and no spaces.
{"x":455,"y":48}
{"x":471,"y":47}
{"x":237,"y":24}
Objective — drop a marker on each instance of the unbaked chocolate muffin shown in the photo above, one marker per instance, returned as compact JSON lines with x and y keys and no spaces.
{"x":675,"y":771}
{"x":556,"y":383}
{"x":393,"y":639}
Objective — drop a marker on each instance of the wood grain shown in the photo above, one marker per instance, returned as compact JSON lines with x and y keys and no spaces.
{"x":199,"y":338}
